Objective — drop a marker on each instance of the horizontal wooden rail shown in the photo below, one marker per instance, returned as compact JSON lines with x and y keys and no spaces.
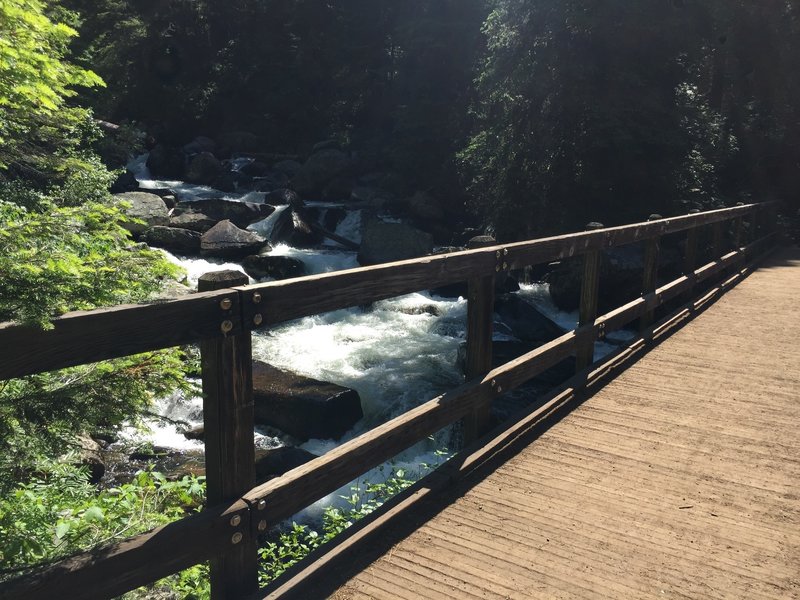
{"x":282,"y":497}
{"x":80,"y":338}
{"x":84,"y":337}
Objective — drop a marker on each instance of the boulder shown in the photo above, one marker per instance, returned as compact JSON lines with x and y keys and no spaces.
{"x":181,"y":241}
{"x":620,"y":279}
{"x":198,"y":432}
{"x":277,"y":461}
{"x":525,"y":320}
{"x":292,"y":228}
{"x":166,"y":162}
{"x":387,"y":242}
{"x":340,"y":188}
{"x":125,"y":182}
{"x":289,"y":168}
{"x":424,"y":207}
{"x":303,"y":407}
{"x":277,"y":267}
{"x":194,"y":221}
{"x":241,"y":214}
{"x":144,"y":207}
{"x":203,"y":169}
{"x":228,"y":181}
{"x":226,"y":240}
{"x":320,"y":169}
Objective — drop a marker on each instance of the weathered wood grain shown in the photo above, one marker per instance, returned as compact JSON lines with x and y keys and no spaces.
{"x":587,"y":310}
{"x":228,"y":420}
{"x":84,"y":337}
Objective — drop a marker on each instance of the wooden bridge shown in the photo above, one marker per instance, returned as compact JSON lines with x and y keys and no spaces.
{"x":667,"y":469}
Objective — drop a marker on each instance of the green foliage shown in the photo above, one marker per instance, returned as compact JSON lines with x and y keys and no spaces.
{"x":296,"y":543}
{"x":36,"y":79}
{"x":59,"y":513}
{"x":57,"y":259}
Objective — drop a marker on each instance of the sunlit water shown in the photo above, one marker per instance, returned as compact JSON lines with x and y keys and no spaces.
{"x":397,"y":354}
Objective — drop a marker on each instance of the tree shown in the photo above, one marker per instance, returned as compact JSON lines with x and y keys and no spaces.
{"x":35,"y":82}
{"x":588,"y":111}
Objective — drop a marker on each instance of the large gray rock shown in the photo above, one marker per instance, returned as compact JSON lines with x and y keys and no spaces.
{"x":166,"y":162}
{"x":225,"y":240}
{"x":387,"y":242}
{"x":240,"y":214}
{"x":145,"y":207}
{"x":525,"y":320}
{"x":277,"y":267}
{"x":277,"y":461}
{"x":181,"y":241}
{"x":203,"y":169}
{"x":194,"y":221}
{"x":320,"y":169}
{"x":303,"y":407}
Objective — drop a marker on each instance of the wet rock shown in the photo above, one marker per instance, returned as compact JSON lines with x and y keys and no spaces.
{"x":283,"y":196}
{"x":293,"y":228}
{"x":226,"y":240}
{"x":303,"y":407}
{"x":320,"y":169}
{"x":277,"y":267}
{"x":174,"y":239}
{"x":198,"y":432}
{"x":387,"y":242}
{"x":333,"y":217}
{"x":277,"y":461}
{"x":203,"y":169}
{"x":241,"y":214}
{"x":525,"y":320}
{"x":125,"y":182}
{"x":166,"y":162}
{"x":228,"y":181}
{"x":145,"y":207}
{"x":424,"y":207}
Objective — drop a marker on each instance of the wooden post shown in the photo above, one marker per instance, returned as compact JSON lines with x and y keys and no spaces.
{"x":480,"y":319}
{"x":650,"y":276}
{"x":227,"y":371}
{"x":690,"y":258}
{"x":584,"y":351}
{"x":717,"y":239}
{"x":738,"y":230}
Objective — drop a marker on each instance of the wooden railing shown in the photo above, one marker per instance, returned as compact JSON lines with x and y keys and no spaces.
{"x":222,"y":320}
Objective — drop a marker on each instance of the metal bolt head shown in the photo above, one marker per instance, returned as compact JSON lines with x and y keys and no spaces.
{"x":226,"y":304}
{"x":235,"y":520}
{"x":494,"y":383}
{"x":262,"y":525}
{"x":505,"y":251}
{"x":236,"y":537}
{"x":262,"y":504}
{"x":505,"y":266}
{"x":497,"y":268}
{"x":257,"y":298}
{"x":258,"y":319}
{"x":498,"y":254}
{"x":227,"y":326}
{"x":499,"y":389}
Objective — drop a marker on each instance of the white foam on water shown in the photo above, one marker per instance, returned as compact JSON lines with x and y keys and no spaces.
{"x":265,"y":227}
{"x":318,"y":260}
{"x":195,"y":267}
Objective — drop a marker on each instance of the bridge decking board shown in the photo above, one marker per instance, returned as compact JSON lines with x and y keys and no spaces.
{"x":678,"y":479}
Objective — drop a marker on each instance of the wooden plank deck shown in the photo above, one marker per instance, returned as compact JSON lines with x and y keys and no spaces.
{"x":678,"y":479}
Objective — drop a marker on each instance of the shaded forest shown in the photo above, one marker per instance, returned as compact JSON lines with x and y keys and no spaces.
{"x":535,"y":116}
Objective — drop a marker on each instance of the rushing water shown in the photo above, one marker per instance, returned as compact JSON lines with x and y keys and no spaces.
{"x":396,"y":353}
